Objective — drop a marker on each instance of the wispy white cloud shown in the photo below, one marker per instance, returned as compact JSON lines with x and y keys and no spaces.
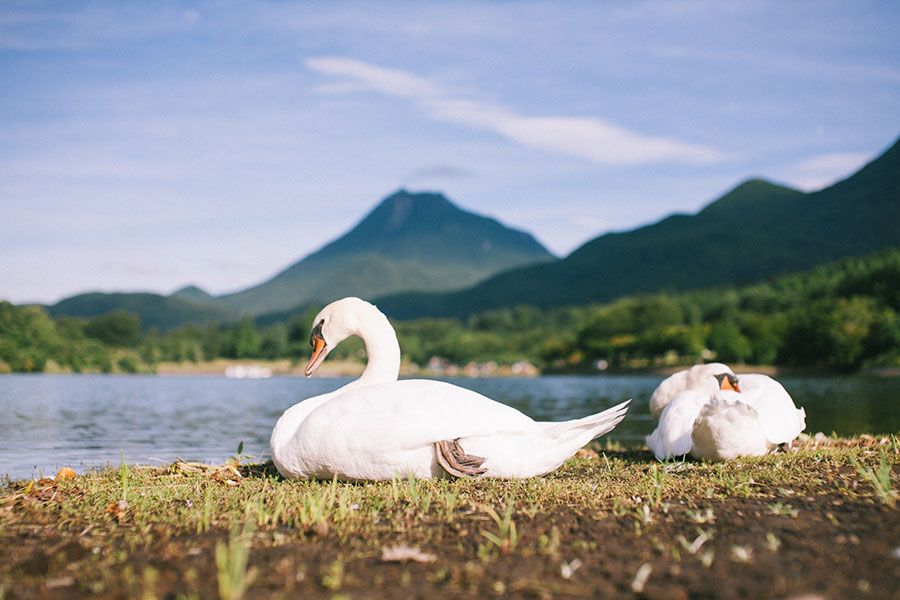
{"x":835,"y":162}
{"x":392,"y":82}
{"x":591,"y":138}
{"x":820,"y":171}
{"x":587,"y":137}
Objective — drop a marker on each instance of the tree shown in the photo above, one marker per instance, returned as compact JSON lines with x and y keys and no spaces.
{"x":764,"y":334}
{"x":27,"y":337}
{"x":117,"y":328}
{"x":835,"y":333}
{"x":298,"y":329}
{"x":246,"y":342}
{"x":274,"y":343}
{"x":728,"y":342}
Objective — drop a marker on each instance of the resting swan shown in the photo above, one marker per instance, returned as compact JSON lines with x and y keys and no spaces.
{"x":709,"y":412}
{"x":377,"y":428}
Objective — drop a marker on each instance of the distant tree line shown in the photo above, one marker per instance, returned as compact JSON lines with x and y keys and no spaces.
{"x":840,"y":317}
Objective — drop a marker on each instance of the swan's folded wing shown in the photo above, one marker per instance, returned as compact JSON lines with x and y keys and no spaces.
{"x":413,"y":413}
{"x":672,"y":437}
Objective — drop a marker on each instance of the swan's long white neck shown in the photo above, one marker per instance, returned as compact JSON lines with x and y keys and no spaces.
{"x":382,"y":349}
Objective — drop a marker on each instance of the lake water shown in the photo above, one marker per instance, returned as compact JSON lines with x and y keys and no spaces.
{"x":49,"y":421}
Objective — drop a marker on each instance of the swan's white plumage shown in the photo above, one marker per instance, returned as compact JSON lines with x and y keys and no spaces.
{"x":672,"y":437}
{"x":781,"y":420}
{"x":699,"y":377}
{"x":697,"y":418}
{"x":378,"y":428}
{"x":726,"y":429}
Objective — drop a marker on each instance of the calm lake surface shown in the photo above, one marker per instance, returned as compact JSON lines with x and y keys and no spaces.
{"x":82,"y":421}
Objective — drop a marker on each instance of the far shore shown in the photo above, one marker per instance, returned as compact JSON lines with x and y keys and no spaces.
{"x":337,"y":368}
{"x":328,"y":369}
{"x":351,"y":368}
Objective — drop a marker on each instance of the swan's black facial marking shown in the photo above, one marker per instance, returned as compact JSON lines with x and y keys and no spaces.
{"x":316,"y":333}
{"x":320,"y":348}
{"x":728,"y":381}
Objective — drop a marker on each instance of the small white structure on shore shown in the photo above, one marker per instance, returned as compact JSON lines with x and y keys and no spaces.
{"x":247,"y":372}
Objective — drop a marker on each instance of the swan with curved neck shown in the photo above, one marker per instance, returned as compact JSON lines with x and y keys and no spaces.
{"x":711,"y":413}
{"x":377,"y":427}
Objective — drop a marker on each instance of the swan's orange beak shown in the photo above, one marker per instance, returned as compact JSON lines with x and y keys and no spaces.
{"x":729,"y":382}
{"x":320,"y":350}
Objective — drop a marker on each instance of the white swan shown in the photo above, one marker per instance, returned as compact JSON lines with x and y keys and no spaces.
{"x":712,"y":414}
{"x":377,"y":428}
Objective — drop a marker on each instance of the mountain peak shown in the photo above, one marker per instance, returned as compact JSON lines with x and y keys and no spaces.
{"x":410,"y":241}
{"x":412,"y":222}
{"x":751,"y":195}
{"x":403,"y":209}
{"x":193,"y":293}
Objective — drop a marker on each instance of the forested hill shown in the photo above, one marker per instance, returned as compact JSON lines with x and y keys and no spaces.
{"x":757,"y":230}
{"x":408,"y":242}
{"x":154,"y":310}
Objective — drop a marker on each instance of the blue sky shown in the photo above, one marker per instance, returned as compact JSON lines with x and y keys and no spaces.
{"x":150,"y":145}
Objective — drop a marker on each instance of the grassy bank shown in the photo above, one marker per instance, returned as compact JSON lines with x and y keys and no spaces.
{"x":610,"y":523}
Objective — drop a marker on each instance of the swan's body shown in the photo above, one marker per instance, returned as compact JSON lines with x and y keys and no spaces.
{"x":378,"y":428}
{"x":726,"y":429}
{"x":722,"y":424}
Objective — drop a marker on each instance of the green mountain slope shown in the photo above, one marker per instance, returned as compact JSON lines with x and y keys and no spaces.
{"x":194,"y":294}
{"x":757,"y":230}
{"x":408,"y":242}
{"x":162,"y":312}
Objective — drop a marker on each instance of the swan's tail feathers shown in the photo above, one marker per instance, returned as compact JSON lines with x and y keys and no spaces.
{"x":594,"y":425}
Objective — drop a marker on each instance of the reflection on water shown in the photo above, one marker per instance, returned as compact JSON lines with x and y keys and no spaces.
{"x":48,"y":421}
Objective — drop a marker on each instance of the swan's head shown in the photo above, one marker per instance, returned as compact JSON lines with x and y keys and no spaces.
{"x":335,"y":323}
{"x":708,"y":377}
{"x":728,"y":381}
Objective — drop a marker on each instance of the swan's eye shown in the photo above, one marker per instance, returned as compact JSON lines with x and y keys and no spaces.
{"x":316,"y":333}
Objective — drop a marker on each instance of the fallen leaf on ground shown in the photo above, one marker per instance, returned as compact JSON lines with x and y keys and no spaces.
{"x":227,"y":474}
{"x":117,"y":509}
{"x":406,"y":553}
{"x":65,"y":473}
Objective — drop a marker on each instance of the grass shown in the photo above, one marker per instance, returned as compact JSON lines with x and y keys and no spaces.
{"x":880,"y":478}
{"x":233,"y":576}
{"x":506,"y":538}
{"x":233,"y":531}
